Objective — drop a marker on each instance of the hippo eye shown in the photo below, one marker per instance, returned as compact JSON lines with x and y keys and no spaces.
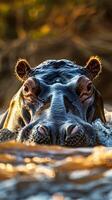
{"x":25,"y":89}
{"x":89,"y":87}
{"x":31,"y":90}
{"x":84,"y":89}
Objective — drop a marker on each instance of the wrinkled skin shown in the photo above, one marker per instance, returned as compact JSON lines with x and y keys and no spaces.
{"x":56,"y":104}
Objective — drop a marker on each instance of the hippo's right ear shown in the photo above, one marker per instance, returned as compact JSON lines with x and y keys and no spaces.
{"x":22,"y":69}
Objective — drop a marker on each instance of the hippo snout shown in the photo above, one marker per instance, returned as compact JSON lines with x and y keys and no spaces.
{"x":67,"y":134}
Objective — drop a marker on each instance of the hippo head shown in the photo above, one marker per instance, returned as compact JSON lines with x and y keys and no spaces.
{"x":57,"y":103}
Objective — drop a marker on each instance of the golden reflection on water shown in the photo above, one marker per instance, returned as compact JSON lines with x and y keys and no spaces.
{"x":58,"y":166}
{"x":16,"y":158}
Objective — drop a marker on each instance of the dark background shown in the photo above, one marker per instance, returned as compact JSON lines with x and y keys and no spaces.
{"x":46,"y":29}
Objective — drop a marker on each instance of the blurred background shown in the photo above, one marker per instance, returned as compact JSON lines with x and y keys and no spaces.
{"x":46,"y":29}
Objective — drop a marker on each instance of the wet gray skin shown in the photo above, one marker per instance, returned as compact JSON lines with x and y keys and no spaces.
{"x":56,"y":104}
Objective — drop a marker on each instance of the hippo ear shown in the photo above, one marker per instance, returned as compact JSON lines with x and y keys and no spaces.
{"x":93,"y":67}
{"x":22,"y":69}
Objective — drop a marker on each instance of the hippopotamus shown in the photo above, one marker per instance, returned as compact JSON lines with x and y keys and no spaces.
{"x":56,"y":104}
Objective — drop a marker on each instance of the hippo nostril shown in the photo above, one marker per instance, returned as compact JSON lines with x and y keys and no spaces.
{"x":74,"y":135}
{"x":72,"y":129}
{"x":42,"y":129}
{"x":73,"y":132}
{"x":40,"y":134}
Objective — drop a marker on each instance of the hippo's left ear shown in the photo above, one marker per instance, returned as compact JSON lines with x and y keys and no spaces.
{"x":93,"y":67}
{"x":22,"y":69}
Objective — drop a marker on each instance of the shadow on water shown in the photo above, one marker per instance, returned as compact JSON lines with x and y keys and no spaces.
{"x":56,"y":173}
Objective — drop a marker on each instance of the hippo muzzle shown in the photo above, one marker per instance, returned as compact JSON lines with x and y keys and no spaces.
{"x":66,"y":135}
{"x":57,"y":103}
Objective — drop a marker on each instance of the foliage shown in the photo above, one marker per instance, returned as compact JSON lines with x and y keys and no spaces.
{"x":36,"y":18}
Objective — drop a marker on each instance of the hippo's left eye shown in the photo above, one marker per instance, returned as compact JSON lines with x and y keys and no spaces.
{"x":89,"y":86}
{"x":84,"y":89}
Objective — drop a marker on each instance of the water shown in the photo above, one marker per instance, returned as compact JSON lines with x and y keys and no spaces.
{"x":30,"y":172}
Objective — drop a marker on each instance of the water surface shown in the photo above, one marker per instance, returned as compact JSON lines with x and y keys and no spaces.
{"x":56,"y":173}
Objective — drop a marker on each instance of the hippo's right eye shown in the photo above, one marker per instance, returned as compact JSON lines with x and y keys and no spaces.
{"x":31,"y":90}
{"x":25,"y":89}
